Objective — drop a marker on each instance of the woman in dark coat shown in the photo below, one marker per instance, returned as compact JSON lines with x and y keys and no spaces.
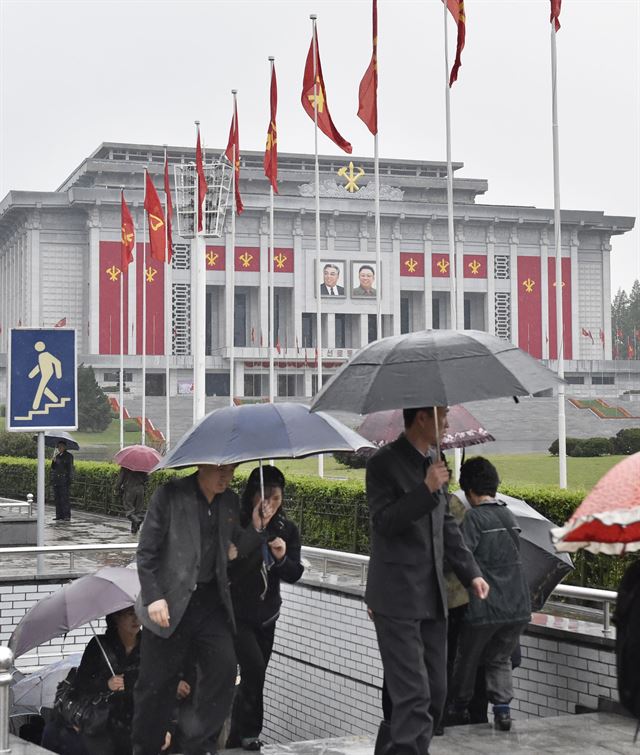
{"x":255,"y":591}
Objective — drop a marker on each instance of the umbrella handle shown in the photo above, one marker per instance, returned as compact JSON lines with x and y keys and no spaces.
{"x":106,"y":657}
{"x":435,"y":421}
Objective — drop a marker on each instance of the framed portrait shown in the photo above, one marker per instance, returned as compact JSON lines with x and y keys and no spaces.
{"x":333,"y":282}
{"x":364,"y":280}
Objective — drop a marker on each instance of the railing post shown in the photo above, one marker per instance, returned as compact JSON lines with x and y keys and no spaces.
{"x":6,"y":661}
{"x":606,"y":629}
{"x":30,"y":502}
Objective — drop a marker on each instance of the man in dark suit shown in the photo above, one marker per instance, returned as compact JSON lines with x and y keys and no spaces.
{"x":190,"y":532}
{"x":330,"y":287}
{"x":61,"y":477}
{"x":411,"y":533}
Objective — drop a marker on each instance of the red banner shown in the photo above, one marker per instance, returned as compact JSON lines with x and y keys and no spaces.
{"x":566,"y":309}
{"x":282,"y":260}
{"x":109,"y":299}
{"x":475,"y":265}
{"x":412,"y":264}
{"x":215,"y":257}
{"x":440,"y":265}
{"x":271,"y":150}
{"x":530,"y":306}
{"x":247,"y":259}
{"x":154,"y":275}
{"x":368,"y":91}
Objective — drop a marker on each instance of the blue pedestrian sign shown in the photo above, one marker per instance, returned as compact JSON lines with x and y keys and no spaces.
{"x":42,"y":391}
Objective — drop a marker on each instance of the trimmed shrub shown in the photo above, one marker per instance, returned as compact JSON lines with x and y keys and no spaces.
{"x":130,"y":425}
{"x":593,"y":447}
{"x":570,"y":442}
{"x":357,"y":460}
{"x":18,"y":444}
{"x":627,"y":441}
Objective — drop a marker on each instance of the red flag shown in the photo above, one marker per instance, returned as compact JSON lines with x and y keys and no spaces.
{"x":587,"y":334}
{"x":602,"y":336}
{"x":555,"y":13}
{"x":456,"y":8}
{"x":261,"y":339}
{"x":128,"y":237}
{"x":169,"y":206}
{"x":297,"y":346}
{"x":202,"y":182}
{"x":616,"y":353}
{"x":253,"y":335}
{"x":317,"y":100}
{"x":61,"y":323}
{"x":368,"y":92}
{"x":278,"y":349}
{"x":157,"y":231}
{"x":619,"y":334}
{"x":629,"y":348}
{"x":271,"y":150}
{"x":234,"y":146}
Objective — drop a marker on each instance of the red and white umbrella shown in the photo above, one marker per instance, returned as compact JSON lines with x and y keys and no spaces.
{"x":608,"y":520}
{"x":137,"y":458}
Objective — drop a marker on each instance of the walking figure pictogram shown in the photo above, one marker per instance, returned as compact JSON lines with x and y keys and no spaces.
{"x":47,"y":367}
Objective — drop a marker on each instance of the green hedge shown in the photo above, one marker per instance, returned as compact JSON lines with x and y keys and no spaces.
{"x":329,"y":514}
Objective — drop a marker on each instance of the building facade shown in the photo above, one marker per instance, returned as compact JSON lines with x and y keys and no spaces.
{"x":60,"y":260}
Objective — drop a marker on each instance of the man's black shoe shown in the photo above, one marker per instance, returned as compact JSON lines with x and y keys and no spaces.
{"x":502,"y":717}
{"x":456,"y":716}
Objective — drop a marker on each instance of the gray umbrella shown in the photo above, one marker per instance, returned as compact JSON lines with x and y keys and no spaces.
{"x":236,"y":434}
{"x":38,"y":690}
{"x":432,"y":368}
{"x":53,"y":437}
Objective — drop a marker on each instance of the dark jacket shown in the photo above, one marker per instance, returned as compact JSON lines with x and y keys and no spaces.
{"x":485,"y":531}
{"x":94,"y":674}
{"x":169,"y":549}
{"x":411,"y":532}
{"x":255,"y":602}
{"x":61,"y":469}
{"x":129,"y":481}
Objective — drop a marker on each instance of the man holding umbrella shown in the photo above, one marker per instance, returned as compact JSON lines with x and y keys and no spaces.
{"x":412,"y":532}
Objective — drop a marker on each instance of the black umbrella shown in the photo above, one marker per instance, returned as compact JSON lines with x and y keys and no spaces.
{"x":543,"y":566}
{"x":432,"y":368}
{"x":53,"y":437}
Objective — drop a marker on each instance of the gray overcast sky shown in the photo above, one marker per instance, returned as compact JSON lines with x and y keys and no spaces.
{"x":77,"y":73}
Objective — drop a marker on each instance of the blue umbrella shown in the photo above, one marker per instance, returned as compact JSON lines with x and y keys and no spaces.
{"x":236,"y":434}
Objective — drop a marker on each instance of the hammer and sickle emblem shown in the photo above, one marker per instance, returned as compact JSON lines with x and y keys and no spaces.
{"x":127,"y":238}
{"x":528,"y":285}
{"x":150,"y":274}
{"x":443,"y":265}
{"x":246,"y":259}
{"x":474,"y":266}
{"x":317,"y":100}
{"x":280,"y":260}
{"x":113,"y":272}
{"x":352,"y":178}
{"x":271,"y":136}
{"x":155,"y":222}
{"x":212,"y":258}
{"x":411,"y":265}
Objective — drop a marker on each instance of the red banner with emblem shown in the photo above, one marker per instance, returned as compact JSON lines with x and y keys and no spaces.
{"x":109,"y":299}
{"x":215,"y":257}
{"x":566,"y":309}
{"x":282,"y":260}
{"x":530,"y":306}
{"x":475,"y":265}
{"x":440,"y":265}
{"x":154,"y":276}
{"x":247,"y":259}
{"x":412,"y":264}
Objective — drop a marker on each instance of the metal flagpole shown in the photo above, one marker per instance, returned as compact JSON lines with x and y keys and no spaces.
{"x":121,"y":358}
{"x":316,"y":94}
{"x":272,"y":390}
{"x":144,"y":313}
{"x":451,"y":233}
{"x":562,"y":427}
{"x":376,"y":172}
{"x":232,"y":308}
{"x":199,"y":263}
{"x":168,"y":316}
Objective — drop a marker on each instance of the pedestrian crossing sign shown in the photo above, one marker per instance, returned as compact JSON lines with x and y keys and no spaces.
{"x":42,"y":389}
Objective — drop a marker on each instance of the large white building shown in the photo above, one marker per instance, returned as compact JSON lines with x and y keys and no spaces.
{"x":60,"y":258}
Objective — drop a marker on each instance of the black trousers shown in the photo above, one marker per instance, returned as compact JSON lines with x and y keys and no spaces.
{"x":205,"y":634}
{"x":61,"y":499}
{"x":253,"y":648}
{"x":414,"y":658}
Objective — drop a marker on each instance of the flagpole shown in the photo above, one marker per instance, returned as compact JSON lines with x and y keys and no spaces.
{"x":318,"y":278}
{"x":144,"y":313}
{"x":451,"y":231}
{"x":121,"y":396}
{"x":562,"y":427}
{"x":200,"y":279}
{"x":272,"y":391}
{"x":232,"y":349}
{"x":376,"y":173}
{"x":168,"y":315}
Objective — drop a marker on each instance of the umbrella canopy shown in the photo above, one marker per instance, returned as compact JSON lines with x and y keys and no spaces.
{"x":137,"y":458}
{"x":38,"y":690}
{"x":608,"y":520}
{"x":432,"y":368}
{"x":76,"y":603}
{"x":235,"y":434}
{"x":53,"y":437}
{"x":543,"y":567}
{"x":464,"y":428}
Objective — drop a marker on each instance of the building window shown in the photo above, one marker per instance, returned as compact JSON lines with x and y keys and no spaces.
{"x":114,"y":377}
{"x":574,"y":379}
{"x":502,"y":310}
{"x":404,"y":314}
{"x":308,"y":329}
{"x":603,"y":380}
{"x":435,"y":314}
{"x":341,"y":331}
{"x":240,"y":320}
{"x":181,"y":259}
{"x":372,"y":328}
{"x":287,"y":385}
{"x":256,"y":384}
{"x":501,"y":267}
{"x":181,"y":306}
{"x":467,"y":314}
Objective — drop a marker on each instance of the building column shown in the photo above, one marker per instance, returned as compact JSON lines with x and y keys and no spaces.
{"x":331,"y":330}
{"x":93,"y":313}
{"x":606,"y":298}
{"x":34,"y":272}
{"x":299,"y":294}
{"x":263,"y":291}
{"x":238,"y":382}
{"x":459,"y":241}
{"x":575,"y":302}
{"x":515,"y":283}
{"x":490,"y":305}
{"x":364,"y":330}
{"x":230,"y":257}
{"x":427,"y":246}
{"x":544,"y":291}
{"x":396,"y":238}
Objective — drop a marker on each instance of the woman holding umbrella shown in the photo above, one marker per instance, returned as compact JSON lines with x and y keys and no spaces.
{"x":255,"y":592}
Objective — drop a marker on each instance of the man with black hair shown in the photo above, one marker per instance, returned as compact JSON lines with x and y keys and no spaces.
{"x":491,"y":629}
{"x":411,"y":533}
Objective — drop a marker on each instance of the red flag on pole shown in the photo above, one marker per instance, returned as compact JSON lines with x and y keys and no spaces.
{"x":128,"y":237}
{"x":234,"y":142}
{"x":157,"y":234}
{"x":368,"y":92}
{"x":555,"y":13}
{"x":278,"y":348}
{"x":456,"y":8}
{"x":61,"y":323}
{"x":202,"y":181}
{"x":587,"y":334}
{"x":602,"y":336}
{"x":167,"y":191}
{"x":314,"y":97}
{"x":619,"y":333}
{"x":271,"y":150}
{"x":629,"y":348}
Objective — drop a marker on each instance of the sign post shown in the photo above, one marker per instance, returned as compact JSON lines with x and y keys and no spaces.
{"x":42,"y":393}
